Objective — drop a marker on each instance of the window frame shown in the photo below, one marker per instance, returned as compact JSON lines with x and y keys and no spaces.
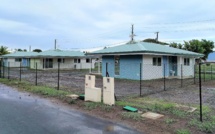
{"x":87,"y":60}
{"x":18,"y":59}
{"x":156,"y":61}
{"x":117,"y":65}
{"x":77,"y":60}
{"x":60,"y":60}
{"x":186,"y":61}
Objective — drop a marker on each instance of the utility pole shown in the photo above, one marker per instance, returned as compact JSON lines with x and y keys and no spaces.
{"x":156,"y":36}
{"x":29,"y":48}
{"x":55,"y":44}
{"x":132,"y":33}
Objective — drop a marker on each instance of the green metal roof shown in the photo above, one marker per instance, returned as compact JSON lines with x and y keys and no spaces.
{"x":48,"y":53}
{"x":19,"y":54}
{"x":60,"y":53}
{"x":144,"y":47}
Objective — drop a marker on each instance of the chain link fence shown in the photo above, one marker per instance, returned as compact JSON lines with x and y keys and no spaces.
{"x":176,"y":82}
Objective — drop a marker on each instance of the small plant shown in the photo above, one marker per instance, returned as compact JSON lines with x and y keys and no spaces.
{"x":178,"y":113}
{"x":72,"y":101}
{"x":131,"y":115}
{"x":169,"y":121}
{"x":182,"y":131}
{"x":106,"y":108}
{"x":91,"y":105}
{"x":205,"y":126}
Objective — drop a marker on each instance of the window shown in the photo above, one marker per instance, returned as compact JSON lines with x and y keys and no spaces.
{"x":77,"y":60}
{"x":117,"y":65}
{"x":157,"y":61}
{"x":60,"y":60}
{"x":186,"y":61}
{"x":87,"y":60}
{"x":18,"y":59}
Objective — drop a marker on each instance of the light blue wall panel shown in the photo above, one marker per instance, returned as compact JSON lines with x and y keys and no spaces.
{"x":130,"y":67}
{"x":166,"y":64}
{"x":110,"y":68}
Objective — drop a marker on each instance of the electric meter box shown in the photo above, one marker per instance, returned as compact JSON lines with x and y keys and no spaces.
{"x":93,"y":94}
{"x":89,"y":81}
{"x":108,"y":91}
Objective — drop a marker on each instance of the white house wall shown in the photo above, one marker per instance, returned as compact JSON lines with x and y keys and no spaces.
{"x":188,"y":71}
{"x":12,"y":63}
{"x":149,"y":71}
{"x":68,"y":64}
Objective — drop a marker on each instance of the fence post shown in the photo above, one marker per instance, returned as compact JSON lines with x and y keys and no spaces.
{"x":194,"y":74}
{"x":36,"y":75}
{"x":200,"y":92}
{"x":8,"y":70}
{"x":204,"y":73}
{"x":3,"y":69}
{"x":99,"y":67}
{"x":58,"y":76}
{"x":211,"y":71}
{"x":164,"y":77}
{"x":20,"y":73}
{"x":181,"y":75}
{"x":140,"y":79}
{"x":0,"y":68}
{"x":107,"y":74}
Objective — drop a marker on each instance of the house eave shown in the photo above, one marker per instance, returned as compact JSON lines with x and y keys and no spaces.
{"x":146,"y":53}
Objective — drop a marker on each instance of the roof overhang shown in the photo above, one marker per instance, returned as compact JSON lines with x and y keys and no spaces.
{"x":147,"y":53}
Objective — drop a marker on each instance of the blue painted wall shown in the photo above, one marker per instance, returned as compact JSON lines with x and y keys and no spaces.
{"x":25,"y":62}
{"x":110,"y":61}
{"x":165,"y":62}
{"x":129,"y":66}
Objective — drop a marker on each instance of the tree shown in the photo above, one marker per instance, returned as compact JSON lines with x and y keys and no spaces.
{"x":199,"y":46}
{"x":37,"y":50}
{"x":208,"y":46}
{"x":20,"y":50}
{"x":176,"y":45}
{"x":194,"y":46}
{"x":3,"y":50}
{"x":154,"y":41}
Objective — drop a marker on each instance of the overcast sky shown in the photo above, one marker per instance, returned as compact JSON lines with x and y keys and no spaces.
{"x":80,"y":24}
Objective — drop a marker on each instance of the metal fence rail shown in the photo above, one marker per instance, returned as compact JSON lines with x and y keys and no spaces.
{"x":149,"y":79}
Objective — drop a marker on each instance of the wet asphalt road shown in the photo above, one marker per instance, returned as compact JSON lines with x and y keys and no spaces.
{"x":24,"y":114}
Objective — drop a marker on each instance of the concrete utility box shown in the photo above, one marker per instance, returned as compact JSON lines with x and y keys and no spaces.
{"x":108,"y":91}
{"x":93,"y":94}
{"x":89,"y":81}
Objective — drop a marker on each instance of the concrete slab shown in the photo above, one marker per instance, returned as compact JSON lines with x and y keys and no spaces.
{"x":73,"y":96}
{"x":186,"y":108}
{"x":152,"y":115}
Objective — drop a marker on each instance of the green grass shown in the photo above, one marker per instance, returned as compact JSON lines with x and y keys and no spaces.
{"x":208,"y":124}
{"x":131,"y":115}
{"x":91,"y":105}
{"x":183,"y":131}
{"x":156,"y":106}
{"x":41,"y":90}
{"x":169,"y":121}
{"x":94,"y":105}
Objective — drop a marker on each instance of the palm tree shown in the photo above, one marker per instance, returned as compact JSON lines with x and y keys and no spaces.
{"x":3,"y":50}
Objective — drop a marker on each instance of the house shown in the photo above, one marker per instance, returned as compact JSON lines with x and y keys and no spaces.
{"x":49,"y":59}
{"x":68,"y":59}
{"x":211,"y":57}
{"x":156,"y":60}
{"x":14,"y":59}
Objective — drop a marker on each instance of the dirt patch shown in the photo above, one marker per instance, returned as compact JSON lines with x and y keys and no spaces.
{"x":183,"y":91}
